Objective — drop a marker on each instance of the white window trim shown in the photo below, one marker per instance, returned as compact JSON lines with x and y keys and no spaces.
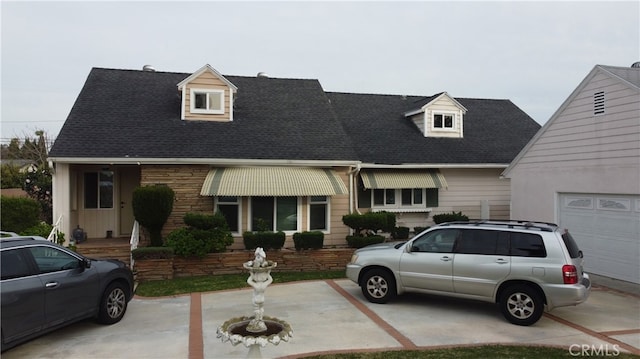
{"x":216,"y":202}
{"x":454,"y":124}
{"x":328,"y":203}
{"x":298,"y":215}
{"x":192,"y":97}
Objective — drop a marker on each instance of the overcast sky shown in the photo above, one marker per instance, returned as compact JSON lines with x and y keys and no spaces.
{"x":533,"y":53}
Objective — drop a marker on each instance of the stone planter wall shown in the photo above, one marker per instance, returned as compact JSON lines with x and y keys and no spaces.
{"x":231,"y":262}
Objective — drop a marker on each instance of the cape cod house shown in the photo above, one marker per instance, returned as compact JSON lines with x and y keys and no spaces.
{"x":280,"y":150}
{"x":582,"y":171}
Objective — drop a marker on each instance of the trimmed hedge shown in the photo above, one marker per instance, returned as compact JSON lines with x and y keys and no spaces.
{"x":152,"y":253}
{"x":418,"y":230}
{"x":400,"y":233}
{"x":205,"y":233}
{"x":152,"y":206}
{"x":449,"y":217}
{"x":360,"y":241}
{"x":308,"y":240}
{"x":370,"y":222}
{"x":266,"y":240}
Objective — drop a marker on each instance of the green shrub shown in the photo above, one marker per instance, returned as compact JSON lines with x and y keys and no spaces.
{"x":417,"y":230}
{"x":266,"y":240}
{"x":41,"y":229}
{"x":449,"y":217}
{"x":205,"y":233}
{"x":400,"y":233}
{"x":371,"y":222}
{"x":18,"y":213}
{"x":152,"y":253}
{"x":152,"y":206}
{"x":360,"y":241}
{"x":308,"y":240}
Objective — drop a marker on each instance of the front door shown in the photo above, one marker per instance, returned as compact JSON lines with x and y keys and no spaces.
{"x":129,"y":180}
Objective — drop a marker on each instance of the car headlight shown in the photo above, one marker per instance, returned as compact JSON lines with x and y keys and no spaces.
{"x":354,"y":258}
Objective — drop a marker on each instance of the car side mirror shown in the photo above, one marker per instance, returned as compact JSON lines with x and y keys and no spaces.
{"x":86,"y":263}
{"x":580,"y":254}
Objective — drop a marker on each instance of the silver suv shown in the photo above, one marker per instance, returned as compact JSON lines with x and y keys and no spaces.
{"x":520,"y":265}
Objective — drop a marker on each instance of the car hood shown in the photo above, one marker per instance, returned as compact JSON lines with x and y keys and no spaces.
{"x":381,"y":246}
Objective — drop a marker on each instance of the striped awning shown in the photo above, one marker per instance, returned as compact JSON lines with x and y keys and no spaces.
{"x":391,"y":179}
{"x":272,"y":181}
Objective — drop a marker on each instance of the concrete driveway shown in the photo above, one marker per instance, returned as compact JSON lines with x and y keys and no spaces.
{"x":332,"y":316}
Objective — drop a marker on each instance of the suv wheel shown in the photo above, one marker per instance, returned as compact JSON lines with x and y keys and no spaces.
{"x":521,"y":305}
{"x":113,"y":304}
{"x":378,"y":286}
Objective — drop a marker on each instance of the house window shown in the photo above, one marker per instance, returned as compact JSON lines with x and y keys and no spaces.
{"x":274,"y":213}
{"x":443,"y":120}
{"x":229,"y":207}
{"x":318,"y":213}
{"x":98,"y":189}
{"x":598,"y":103}
{"x":207,"y":101}
{"x":409,"y":198}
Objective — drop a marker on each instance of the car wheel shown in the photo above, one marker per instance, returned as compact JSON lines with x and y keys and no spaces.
{"x":521,"y":305}
{"x":113,"y":304}
{"x":378,"y":286}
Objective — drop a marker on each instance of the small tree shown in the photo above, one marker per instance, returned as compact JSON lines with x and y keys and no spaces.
{"x":152,"y":206}
{"x":18,"y":214}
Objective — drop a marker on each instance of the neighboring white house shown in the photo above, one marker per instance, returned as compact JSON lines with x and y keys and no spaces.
{"x":582,"y":171}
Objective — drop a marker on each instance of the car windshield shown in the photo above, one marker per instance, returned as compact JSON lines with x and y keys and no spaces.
{"x":571,"y":244}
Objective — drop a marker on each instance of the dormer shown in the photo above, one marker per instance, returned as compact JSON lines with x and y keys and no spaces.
{"x":207,"y":96}
{"x":442,"y":116}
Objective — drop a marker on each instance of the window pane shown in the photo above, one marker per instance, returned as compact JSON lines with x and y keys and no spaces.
{"x":318,"y":217}
{"x":91,"y":190}
{"x":230,"y":213}
{"x":527,"y":245}
{"x":378,"y":197}
{"x":261,"y":213}
{"x":437,"y":121}
{"x":201,"y":101}
{"x":287,"y":214}
{"x":15,"y":264}
{"x":106,"y":189}
{"x":406,"y":197}
{"x":417,"y":196}
{"x":391,"y":196}
{"x":215,"y":101}
{"x":477,"y":241}
{"x":52,"y":260}
{"x":448,"y":121}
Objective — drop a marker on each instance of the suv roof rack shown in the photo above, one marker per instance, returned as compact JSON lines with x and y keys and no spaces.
{"x":510,"y":223}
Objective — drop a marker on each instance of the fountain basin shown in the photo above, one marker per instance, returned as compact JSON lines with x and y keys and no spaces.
{"x":235,"y":331}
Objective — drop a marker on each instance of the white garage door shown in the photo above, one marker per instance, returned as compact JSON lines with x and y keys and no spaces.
{"x":607,"y":229}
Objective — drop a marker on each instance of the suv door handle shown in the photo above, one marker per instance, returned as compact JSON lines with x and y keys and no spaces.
{"x":445,"y":258}
{"x":52,"y":284}
{"x":501,"y":261}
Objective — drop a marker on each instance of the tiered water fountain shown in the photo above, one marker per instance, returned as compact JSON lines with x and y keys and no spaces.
{"x":259,"y":330}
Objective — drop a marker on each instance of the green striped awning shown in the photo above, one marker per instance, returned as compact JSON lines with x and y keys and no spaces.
{"x":272,"y":181}
{"x":391,"y":179}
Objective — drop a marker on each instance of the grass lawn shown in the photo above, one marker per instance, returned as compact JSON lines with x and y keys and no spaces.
{"x":232,"y":281}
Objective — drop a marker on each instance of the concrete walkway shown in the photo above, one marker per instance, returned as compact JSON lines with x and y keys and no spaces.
{"x":332,"y":316}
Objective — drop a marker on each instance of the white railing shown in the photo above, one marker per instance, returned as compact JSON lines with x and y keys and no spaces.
{"x":135,"y":239}
{"x":53,"y":236}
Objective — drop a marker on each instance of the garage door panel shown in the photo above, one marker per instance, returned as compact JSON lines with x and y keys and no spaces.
{"x":607,"y":229}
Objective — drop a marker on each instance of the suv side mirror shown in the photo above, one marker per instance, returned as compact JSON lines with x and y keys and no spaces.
{"x":86,"y":263}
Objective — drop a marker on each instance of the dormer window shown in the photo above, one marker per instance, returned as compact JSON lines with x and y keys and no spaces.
{"x":207,"y":101}
{"x":443,"y":120}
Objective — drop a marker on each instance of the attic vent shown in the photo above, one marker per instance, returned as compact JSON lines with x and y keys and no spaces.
{"x":598,"y":103}
{"x":262,"y":74}
{"x":636,"y":65}
{"x":148,"y":68}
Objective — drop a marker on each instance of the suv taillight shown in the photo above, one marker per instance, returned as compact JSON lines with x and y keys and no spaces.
{"x":569,"y":274}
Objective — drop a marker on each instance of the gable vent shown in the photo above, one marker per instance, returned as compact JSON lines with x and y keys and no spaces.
{"x":598,"y":103}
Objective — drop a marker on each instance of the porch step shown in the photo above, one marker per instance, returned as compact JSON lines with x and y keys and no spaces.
{"x":120,"y":252}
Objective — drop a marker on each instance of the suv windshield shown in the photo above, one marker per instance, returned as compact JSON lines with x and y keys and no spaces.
{"x":571,"y":244}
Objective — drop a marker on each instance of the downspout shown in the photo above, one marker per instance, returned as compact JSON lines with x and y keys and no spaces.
{"x":353,"y":194}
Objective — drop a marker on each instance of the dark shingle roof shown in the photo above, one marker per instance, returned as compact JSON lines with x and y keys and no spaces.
{"x":136,"y":114}
{"x":494,"y":130}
